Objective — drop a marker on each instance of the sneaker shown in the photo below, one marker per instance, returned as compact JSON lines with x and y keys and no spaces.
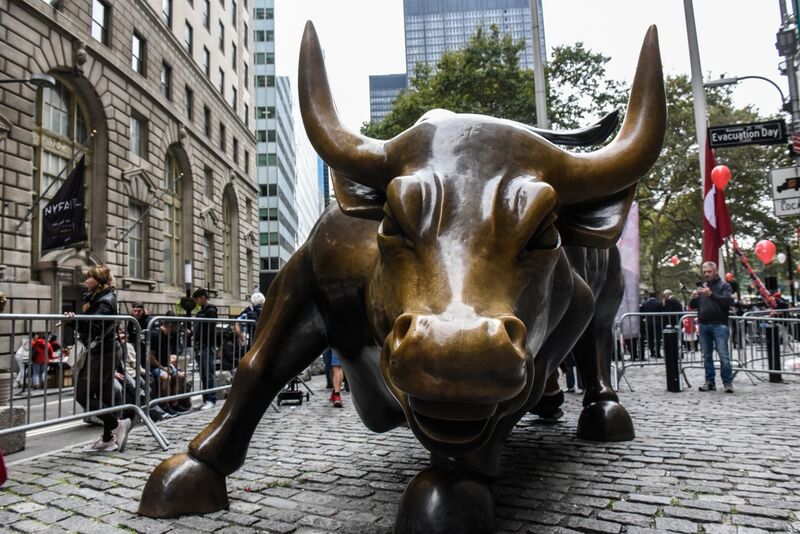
{"x":178,"y":409}
{"x":728,"y":388}
{"x":121,"y":433}
{"x":336,"y":400}
{"x":103,"y":446}
{"x":708,"y":386}
{"x":169,"y":410}
{"x":207,"y":405}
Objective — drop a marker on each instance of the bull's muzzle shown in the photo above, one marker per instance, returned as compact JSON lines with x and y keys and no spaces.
{"x":456,"y":376}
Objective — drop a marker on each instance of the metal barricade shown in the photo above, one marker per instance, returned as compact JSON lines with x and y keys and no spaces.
{"x":87,"y":376}
{"x":644,"y":346}
{"x":758,"y":352}
{"x":182,"y":352}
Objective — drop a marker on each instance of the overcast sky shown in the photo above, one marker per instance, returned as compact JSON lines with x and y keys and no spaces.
{"x":363,"y":37}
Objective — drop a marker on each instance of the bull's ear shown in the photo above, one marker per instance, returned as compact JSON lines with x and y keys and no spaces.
{"x":357,"y":200}
{"x":597,"y":224}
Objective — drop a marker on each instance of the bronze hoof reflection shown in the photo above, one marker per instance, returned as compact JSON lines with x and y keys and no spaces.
{"x":440,"y":500}
{"x":181,"y":485}
{"x":464,"y":259}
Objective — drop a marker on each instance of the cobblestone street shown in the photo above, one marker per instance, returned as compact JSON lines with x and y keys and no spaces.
{"x":701,"y":462}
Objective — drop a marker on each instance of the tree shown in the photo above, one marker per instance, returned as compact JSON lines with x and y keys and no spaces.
{"x":670,"y":201}
{"x":486,"y":78}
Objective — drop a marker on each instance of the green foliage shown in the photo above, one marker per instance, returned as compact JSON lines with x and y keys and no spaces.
{"x":486,"y":78}
{"x":670,"y":200}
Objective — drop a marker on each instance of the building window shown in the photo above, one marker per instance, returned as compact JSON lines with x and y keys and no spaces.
{"x":190,"y":104}
{"x":271,"y":136}
{"x":166,"y":80}
{"x":246,"y":77}
{"x":208,"y":258}
{"x":222,"y":136}
{"x":246,"y":115}
{"x":221,"y":82}
{"x":233,"y":56}
{"x":235,"y":150}
{"x":207,"y":121}
{"x":206,"y":14}
{"x":264,"y":58}
{"x":234,"y":97}
{"x":138,"y":136}
{"x":261,"y":136}
{"x":207,"y":62}
{"x":222,"y":37}
{"x":138,"y":53}
{"x":136,"y":240}
{"x":173,"y":264}
{"x":272,"y":160}
{"x":100,"y":20}
{"x":166,"y":12}
{"x":188,"y":37}
{"x":245,"y":35}
{"x":233,"y":12}
{"x":264,"y":13}
{"x":208,"y":176}
{"x":261,"y":160}
{"x":247,"y":162}
{"x":227,"y":244}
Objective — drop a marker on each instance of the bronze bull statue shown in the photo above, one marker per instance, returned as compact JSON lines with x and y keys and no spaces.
{"x":466,"y":257}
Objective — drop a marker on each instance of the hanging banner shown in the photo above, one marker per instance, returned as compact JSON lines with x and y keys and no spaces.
{"x":63,"y":218}
{"x":628,"y":246}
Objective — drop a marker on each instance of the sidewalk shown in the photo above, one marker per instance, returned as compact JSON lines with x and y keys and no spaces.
{"x":701,"y":462}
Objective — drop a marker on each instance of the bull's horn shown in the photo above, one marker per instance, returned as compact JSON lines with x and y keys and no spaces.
{"x":583,"y":177}
{"x":348,"y":152}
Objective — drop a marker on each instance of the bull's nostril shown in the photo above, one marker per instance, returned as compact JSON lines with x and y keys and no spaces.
{"x":517,"y":332}
{"x":401,"y":327}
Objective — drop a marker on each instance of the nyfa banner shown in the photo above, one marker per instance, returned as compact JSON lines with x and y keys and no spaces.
{"x":63,"y":218}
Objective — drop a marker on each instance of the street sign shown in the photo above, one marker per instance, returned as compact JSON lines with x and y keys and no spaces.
{"x":753,"y":133}
{"x":785,"y":186}
{"x":785,"y":183}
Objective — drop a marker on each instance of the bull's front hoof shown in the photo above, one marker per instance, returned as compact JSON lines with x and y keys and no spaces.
{"x":181,"y":485}
{"x":441,"y":500}
{"x":605,"y":421}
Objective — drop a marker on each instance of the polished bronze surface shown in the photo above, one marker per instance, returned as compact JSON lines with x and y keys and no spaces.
{"x":465,"y":258}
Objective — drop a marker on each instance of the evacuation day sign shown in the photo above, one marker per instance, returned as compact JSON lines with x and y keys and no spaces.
{"x":753,"y":133}
{"x":63,"y":218}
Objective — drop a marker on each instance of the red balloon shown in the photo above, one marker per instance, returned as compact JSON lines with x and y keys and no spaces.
{"x":720,"y":175}
{"x":674,"y":260}
{"x":765,"y":250}
{"x":729,"y":277}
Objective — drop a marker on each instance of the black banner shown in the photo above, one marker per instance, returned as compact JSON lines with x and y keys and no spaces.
{"x":63,"y":218}
{"x":754,"y":133}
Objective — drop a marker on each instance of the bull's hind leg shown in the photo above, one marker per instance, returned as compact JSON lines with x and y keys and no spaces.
{"x":603,"y":418}
{"x":290,"y":334}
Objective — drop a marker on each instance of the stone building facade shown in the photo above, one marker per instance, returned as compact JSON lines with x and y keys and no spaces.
{"x":168,"y":143}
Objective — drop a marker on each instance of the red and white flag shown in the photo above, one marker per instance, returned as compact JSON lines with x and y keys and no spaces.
{"x":716,"y":221}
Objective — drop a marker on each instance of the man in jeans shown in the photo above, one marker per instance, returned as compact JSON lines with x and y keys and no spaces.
{"x":712,"y":302}
{"x":205,"y":351}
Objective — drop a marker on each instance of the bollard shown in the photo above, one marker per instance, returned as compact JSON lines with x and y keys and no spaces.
{"x":773,"y":335}
{"x":671,"y":356}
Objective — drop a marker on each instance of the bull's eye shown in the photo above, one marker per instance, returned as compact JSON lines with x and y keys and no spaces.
{"x":545,"y":239}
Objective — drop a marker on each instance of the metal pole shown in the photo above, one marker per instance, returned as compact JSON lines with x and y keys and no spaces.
{"x":791,"y":73}
{"x":540,"y":87}
{"x":791,"y":272}
{"x":698,"y":93}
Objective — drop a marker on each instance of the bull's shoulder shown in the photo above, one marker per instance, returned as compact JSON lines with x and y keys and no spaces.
{"x":341,"y":247}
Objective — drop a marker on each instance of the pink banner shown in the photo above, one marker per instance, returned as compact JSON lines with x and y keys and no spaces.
{"x":628,"y":246}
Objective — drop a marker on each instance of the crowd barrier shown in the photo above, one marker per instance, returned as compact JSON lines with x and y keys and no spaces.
{"x":155,"y":371}
{"x":640,"y":340}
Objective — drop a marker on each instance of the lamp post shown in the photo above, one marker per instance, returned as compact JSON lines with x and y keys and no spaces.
{"x":36,"y":79}
{"x":187,"y":302}
{"x":733,"y":80}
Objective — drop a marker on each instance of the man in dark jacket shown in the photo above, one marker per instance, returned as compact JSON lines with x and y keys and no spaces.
{"x":652,"y":324}
{"x":712,"y":302}
{"x":203,"y":334}
{"x":673,"y":307}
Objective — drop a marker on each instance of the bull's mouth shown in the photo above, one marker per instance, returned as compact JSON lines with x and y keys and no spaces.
{"x":455,"y":423}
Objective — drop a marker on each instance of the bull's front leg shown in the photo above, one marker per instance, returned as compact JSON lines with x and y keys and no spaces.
{"x":290,"y":335}
{"x":603,"y":418}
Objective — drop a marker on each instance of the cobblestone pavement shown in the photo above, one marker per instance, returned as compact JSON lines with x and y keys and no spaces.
{"x":701,"y":462}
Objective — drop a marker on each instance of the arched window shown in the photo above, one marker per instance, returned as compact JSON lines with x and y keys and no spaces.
{"x":61,"y":127}
{"x":173,"y":213}
{"x":227,"y":244}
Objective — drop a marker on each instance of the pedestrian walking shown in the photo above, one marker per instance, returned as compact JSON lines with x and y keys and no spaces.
{"x":652,"y":324}
{"x":205,"y":345}
{"x":713,"y":300}
{"x":94,"y":387}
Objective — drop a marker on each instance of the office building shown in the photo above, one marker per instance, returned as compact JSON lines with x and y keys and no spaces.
{"x":156,"y":95}
{"x":383,"y":90}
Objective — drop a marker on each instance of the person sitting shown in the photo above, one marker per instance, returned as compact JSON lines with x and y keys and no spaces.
{"x":164,"y":350}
